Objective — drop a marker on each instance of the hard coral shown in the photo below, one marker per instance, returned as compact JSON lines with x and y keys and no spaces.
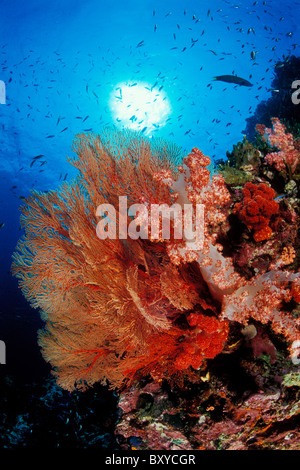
{"x":257,"y":208}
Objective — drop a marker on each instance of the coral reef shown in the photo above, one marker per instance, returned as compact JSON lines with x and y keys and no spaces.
{"x":260,"y":413}
{"x":110,"y":306}
{"x":162,"y":317}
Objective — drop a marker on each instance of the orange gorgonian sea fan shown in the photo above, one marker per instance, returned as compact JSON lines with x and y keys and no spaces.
{"x":114,"y":309}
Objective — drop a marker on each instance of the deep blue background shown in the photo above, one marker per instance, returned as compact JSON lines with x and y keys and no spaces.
{"x":60,"y":61}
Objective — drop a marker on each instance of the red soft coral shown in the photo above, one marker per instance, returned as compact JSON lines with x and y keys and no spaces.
{"x":205,"y":341}
{"x":257,"y":208}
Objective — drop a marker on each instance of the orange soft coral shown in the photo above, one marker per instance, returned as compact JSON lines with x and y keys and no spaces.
{"x":257,"y":208}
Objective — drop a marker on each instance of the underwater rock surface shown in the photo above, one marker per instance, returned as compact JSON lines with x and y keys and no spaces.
{"x":260,"y":411}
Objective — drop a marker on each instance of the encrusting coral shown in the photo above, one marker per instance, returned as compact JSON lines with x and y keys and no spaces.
{"x":120,"y":308}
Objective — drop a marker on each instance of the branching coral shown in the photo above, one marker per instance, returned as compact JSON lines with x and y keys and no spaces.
{"x":287,"y":158}
{"x":120,"y":308}
{"x":256,"y":209}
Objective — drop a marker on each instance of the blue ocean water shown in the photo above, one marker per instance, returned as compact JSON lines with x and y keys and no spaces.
{"x":67,"y":65}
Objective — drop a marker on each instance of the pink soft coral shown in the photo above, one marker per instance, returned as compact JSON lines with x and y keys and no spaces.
{"x":288,"y":156}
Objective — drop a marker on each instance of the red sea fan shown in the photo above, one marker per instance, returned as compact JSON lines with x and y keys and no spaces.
{"x":114,"y":309}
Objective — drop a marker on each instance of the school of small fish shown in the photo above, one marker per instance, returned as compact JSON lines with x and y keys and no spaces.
{"x":194,"y":38}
